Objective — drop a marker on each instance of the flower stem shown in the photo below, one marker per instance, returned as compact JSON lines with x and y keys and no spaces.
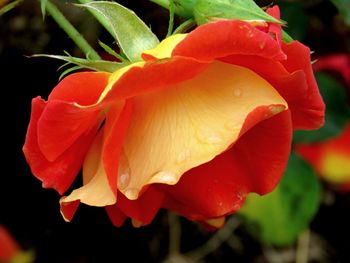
{"x":171,"y":18}
{"x":302,"y":252}
{"x":185,"y":26}
{"x":215,"y":241}
{"x":78,"y":39}
{"x":174,"y":233}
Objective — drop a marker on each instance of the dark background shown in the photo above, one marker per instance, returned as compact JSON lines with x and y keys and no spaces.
{"x":31,"y":213}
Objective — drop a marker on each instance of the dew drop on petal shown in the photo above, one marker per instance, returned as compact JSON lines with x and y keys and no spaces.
{"x":165,"y":177}
{"x":237,"y":92}
{"x":262,"y":45}
{"x":123,"y":180}
{"x":124,"y":172}
{"x":132,"y":193}
{"x":183,"y":156}
{"x":206,"y":135}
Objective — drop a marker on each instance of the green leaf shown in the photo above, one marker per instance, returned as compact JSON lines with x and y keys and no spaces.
{"x":279,"y":217}
{"x":96,"y":65}
{"x":43,"y":7}
{"x":110,"y":51}
{"x":9,"y":7}
{"x":207,"y":10}
{"x":337,"y":111}
{"x":67,"y":71}
{"x":298,"y":20}
{"x":128,"y":29}
{"x":286,"y":37}
{"x":344,"y":8}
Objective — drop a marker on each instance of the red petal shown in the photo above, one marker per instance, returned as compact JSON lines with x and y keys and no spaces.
{"x":63,"y":120}
{"x":117,"y":123}
{"x":83,"y":88}
{"x":299,"y":60}
{"x":61,"y":124}
{"x":307,"y":112}
{"x":60,"y":173}
{"x":115,"y":215}
{"x":68,"y":209}
{"x":274,"y":28}
{"x":228,"y":37}
{"x":254,"y":164}
{"x":144,"y":208}
{"x":154,"y":75}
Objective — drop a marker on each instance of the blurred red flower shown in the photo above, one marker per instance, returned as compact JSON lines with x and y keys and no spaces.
{"x":206,"y":118}
{"x":8,"y":246}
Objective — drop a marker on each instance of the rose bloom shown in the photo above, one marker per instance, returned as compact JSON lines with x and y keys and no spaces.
{"x":204,"y":119}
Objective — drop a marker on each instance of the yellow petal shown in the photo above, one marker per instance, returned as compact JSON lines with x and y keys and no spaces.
{"x":336,"y":167}
{"x":183,"y":126}
{"x":166,"y":47}
{"x":96,"y":190}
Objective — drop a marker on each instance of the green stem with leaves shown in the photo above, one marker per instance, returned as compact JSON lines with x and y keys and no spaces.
{"x":78,"y":39}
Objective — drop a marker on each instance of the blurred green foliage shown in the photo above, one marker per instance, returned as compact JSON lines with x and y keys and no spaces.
{"x":279,"y":217}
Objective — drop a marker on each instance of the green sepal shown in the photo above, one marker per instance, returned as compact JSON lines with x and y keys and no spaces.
{"x":279,"y":217}
{"x":96,"y":65}
{"x":207,"y":11}
{"x":130,"y":32}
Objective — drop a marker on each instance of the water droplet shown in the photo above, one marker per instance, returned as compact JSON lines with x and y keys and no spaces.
{"x":184,"y":156}
{"x":165,"y":177}
{"x":262,"y":45}
{"x":250,"y":34}
{"x":132,"y":193}
{"x":123,"y":180}
{"x":124,"y":172}
{"x":237,"y":92}
{"x":206,"y":135}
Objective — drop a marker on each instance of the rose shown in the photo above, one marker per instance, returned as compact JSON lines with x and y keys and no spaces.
{"x":206,"y":118}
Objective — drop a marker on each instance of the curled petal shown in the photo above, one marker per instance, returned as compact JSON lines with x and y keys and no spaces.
{"x":299,"y":60}
{"x":83,"y":88}
{"x":228,"y":37}
{"x":176,"y":129}
{"x":60,"y":173}
{"x":65,"y":119}
{"x":307,"y":112}
{"x":255,"y":163}
{"x":96,"y":190}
